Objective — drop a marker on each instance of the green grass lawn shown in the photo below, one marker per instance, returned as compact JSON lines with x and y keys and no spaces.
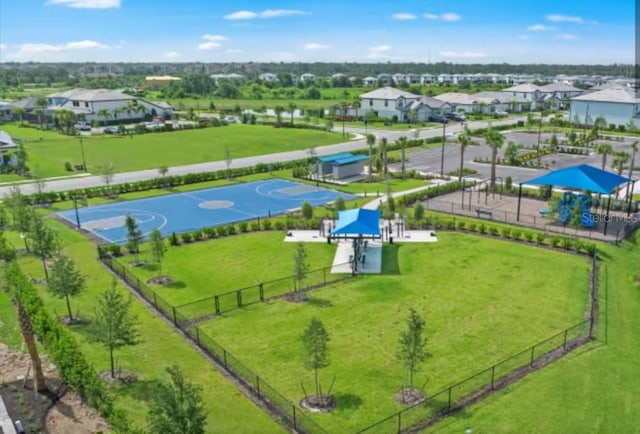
{"x":222,"y":264}
{"x":508,"y":297}
{"x":228,"y":410}
{"x":10,"y":177}
{"x":594,"y":389}
{"x":150,"y":151}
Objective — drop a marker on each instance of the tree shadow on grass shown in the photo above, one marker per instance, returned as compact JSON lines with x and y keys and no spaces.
{"x":141,"y":390}
{"x":390,"y":264}
{"x":319,"y":302}
{"x":348,"y":401}
{"x":176,"y":285}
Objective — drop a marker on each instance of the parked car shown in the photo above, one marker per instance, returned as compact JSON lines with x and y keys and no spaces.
{"x":110,"y":130}
{"x":501,"y":113}
{"x":456,"y":116}
{"x":438,"y":118}
{"x":83,"y":126}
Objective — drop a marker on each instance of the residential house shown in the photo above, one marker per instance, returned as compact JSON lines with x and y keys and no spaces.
{"x":617,"y":105}
{"x":369,"y":81}
{"x":268,"y":76}
{"x":159,"y":81}
{"x":412,"y":78}
{"x":7,"y":144}
{"x":5,"y":111}
{"x":229,"y":77}
{"x":421,"y":109}
{"x":307,"y":77}
{"x":528,"y":91}
{"x":387,"y":102}
{"x":462,"y":102}
{"x":427,"y":79}
{"x":385,"y":79}
{"x":445,"y":78}
{"x":88,"y":104}
{"x":504,"y":101}
{"x":399,"y":78}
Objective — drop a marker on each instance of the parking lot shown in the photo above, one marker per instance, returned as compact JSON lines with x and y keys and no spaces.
{"x":429,"y":160}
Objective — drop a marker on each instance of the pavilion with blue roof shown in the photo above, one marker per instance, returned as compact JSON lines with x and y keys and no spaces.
{"x":359,"y":225}
{"x":582,"y":177}
{"x":342,"y":165}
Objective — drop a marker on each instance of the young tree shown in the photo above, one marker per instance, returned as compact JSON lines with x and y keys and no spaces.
{"x":158,"y":249}
{"x":21,"y":159}
{"x":371,"y":140}
{"x":340,"y":206}
{"x":21,"y":213}
{"x":383,"y":156}
{"x":494,"y":140}
{"x":412,"y":351}
{"x":116,"y":326}
{"x":163,"y":170}
{"x":418,"y":211}
{"x":511,"y":153}
{"x":307,"y":210}
{"x":403,"y":144}
{"x":300,"y":264}
{"x":65,"y":280}
{"x":176,"y":407}
{"x":134,"y":236}
{"x":43,"y":240}
{"x":572,"y":137}
{"x":292,"y":109}
{"x":107,"y":172}
{"x":553,"y":142}
{"x":315,"y":349}
{"x":19,"y":112}
{"x":619,"y":160}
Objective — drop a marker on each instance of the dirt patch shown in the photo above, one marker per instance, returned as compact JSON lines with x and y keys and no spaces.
{"x":410,"y":396}
{"x":297,"y":297}
{"x":122,"y":377}
{"x":138,"y":263}
{"x":57,"y":411}
{"x":319,"y":403}
{"x":160,"y":280}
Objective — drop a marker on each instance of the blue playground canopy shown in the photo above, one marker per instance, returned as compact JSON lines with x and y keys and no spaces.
{"x":582,"y":177}
{"x":358,"y":222}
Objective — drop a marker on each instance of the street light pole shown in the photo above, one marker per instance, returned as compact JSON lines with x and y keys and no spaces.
{"x":84,"y":161}
{"x":444,"y":126}
{"x":539,"y":133}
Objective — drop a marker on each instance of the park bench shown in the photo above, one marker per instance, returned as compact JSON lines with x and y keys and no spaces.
{"x":481,"y":212}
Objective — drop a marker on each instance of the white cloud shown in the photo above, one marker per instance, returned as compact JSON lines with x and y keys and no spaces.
{"x":267,"y":13}
{"x":172,"y":55}
{"x":566,"y":36}
{"x":30,"y":51}
{"x":271,"y":13}
{"x":81,"y":45}
{"x":87,"y":4}
{"x":564,"y":19}
{"x":209,"y":46}
{"x":214,"y":38}
{"x":241,"y":15}
{"x":463,"y":54}
{"x":449,"y":16}
{"x":539,"y":28}
{"x":403,"y":16}
{"x":379,"y":48}
{"x":315,"y":46}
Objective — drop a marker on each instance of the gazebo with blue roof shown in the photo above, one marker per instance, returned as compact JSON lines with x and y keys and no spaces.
{"x":582,"y":177}
{"x":358,"y":225}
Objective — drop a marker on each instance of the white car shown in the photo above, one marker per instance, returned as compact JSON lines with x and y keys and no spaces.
{"x":501,"y":113}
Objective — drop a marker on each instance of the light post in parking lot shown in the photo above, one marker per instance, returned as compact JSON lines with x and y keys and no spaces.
{"x":84,"y":161}
{"x":539,"y":134}
{"x":444,"y":130}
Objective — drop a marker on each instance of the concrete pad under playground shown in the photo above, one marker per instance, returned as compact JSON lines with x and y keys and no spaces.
{"x":373,"y":260}
{"x":300,"y":236}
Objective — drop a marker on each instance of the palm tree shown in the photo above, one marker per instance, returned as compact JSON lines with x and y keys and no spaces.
{"x":356,"y":104}
{"x":20,"y":112}
{"x":495,"y":140}
{"x":104,"y":114}
{"x":344,"y":106}
{"x":604,"y":149}
{"x":292,"y":109}
{"x":371,"y":140}
{"x":634,"y":150}
{"x":42,"y":104}
{"x":383,"y":156}
{"x":403,"y":144}
{"x":278,"y":110}
{"x":40,"y":113}
{"x":619,"y":159}
{"x":464,"y":140}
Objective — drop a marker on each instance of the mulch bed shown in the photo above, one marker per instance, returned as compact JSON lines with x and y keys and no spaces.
{"x":28,"y":407}
{"x":410,"y":396}
{"x":319,"y":403}
{"x":122,"y":377}
{"x":160,"y":280}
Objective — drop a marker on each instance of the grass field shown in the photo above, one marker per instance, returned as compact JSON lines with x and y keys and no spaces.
{"x":223,"y":264}
{"x":228,"y":410}
{"x":500,"y":305}
{"x":150,"y":151}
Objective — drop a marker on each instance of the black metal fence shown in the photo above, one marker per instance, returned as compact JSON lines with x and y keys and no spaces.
{"x":264,"y":291}
{"x":268,"y":395}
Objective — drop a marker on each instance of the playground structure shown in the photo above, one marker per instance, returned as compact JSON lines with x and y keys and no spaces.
{"x":570,"y":204}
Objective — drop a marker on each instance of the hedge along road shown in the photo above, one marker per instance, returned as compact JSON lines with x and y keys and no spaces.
{"x":120,"y":178}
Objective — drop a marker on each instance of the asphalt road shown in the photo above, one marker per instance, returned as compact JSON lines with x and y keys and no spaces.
{"x":94,"y":181}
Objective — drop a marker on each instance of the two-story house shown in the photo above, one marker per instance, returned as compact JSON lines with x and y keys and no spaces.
{"x":387,"y":102}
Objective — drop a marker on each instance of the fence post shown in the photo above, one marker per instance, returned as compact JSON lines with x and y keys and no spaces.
{"x":564,"y":345}
{"x":198,"y":335}
{"x":258,"y":385}
{"x":217,"y":304}
{"x":533,"y":348}
{"x":138,"y":282}
{"x":239,"y":298}
{"x":449,"y":405}
{"x":224,"y":356}
{"x":155,"y":299}
{"x":493,"y":375}
{"x":295,"y":425}
{"x":175,"y":320}
{"x":261,"y":292}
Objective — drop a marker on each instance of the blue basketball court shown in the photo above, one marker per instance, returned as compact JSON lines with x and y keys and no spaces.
{"x":183,"y":212}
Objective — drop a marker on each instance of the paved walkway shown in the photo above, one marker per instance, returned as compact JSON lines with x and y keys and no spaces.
{"x":372,"y":258}
{"x":6,"y":425}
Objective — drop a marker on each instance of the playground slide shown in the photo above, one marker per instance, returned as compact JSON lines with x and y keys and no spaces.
{"x":586,"y":219}
{"x":564,"y":208}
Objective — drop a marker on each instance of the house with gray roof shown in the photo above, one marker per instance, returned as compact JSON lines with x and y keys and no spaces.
{"x":387,"y":102}
{"x":421,"y":109}
{"x":617,"y":105}
{"x":7,"y":144}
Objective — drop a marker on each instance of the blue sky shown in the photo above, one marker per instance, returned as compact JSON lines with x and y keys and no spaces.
{"x":460,"y":31}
